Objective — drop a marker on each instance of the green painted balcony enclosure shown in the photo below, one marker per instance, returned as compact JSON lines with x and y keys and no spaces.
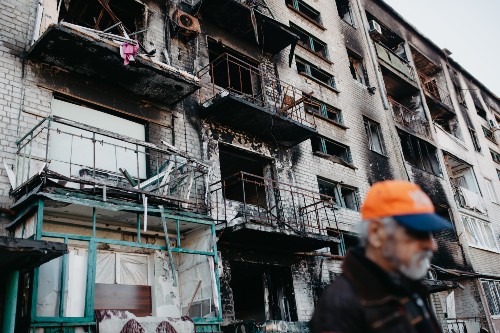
{"x":394,"y":62}
{"x":141,"y":247}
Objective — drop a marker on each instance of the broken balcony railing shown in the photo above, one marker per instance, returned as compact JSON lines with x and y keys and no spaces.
{"x":244,"y":197}
{"x":228,"y":74}
{"x":410,"y":119}
{"x":437,"y":92}
{"x":395,"y":61}
{"x":83,"y":157}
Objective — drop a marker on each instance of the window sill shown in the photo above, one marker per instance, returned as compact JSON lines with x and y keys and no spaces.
{"x":328,"y":120}
{"x":352,"y":25}
{"x":484,"y":249}
{"x":319,"y":82}
{"x":320,"y":26}
{"x":379,"y":154}
{"x":430,"y":173}
{"x":315,"y":54}
{"x":334,"y":159}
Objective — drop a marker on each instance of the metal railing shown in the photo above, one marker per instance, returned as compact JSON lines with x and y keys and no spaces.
{"x":398,"y":63}
{"x":81,"y":157}
{"x":465,"y":324}
{"x":410,"y":119}
{"x":269,"y":202}
{"x":437,"y":92}
{"x":229,"y":74}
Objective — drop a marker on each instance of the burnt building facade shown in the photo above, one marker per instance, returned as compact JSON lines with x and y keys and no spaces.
{"x":204,"y":162}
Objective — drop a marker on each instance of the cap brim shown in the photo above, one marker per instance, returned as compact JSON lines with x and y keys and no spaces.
{"x":423,"y":222}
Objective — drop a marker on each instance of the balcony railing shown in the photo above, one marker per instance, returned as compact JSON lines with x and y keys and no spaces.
{"x":83,"y":157}
{"x":229,"y":74}
{"x":268,"y":202}
{"x":396,"y":62}
{"x":437,"y":92}
{"x":465,"y":324}
{"x":410,"y":119}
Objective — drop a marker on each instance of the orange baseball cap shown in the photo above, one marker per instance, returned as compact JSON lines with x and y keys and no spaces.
{"x":406,"y":203}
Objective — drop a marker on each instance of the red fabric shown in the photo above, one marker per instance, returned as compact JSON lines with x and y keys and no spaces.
{"x":129,"y":52}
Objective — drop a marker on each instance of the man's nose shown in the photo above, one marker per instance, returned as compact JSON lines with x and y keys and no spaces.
{"x":429,"y":244}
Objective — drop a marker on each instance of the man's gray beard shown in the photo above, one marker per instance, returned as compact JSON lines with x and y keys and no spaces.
{"x":418,"y":266}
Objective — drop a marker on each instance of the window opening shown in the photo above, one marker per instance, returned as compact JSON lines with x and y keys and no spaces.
{"x":243,"y":188}
{"x":345,"y":11}
{"x":342,"y":195}
{"x":331,"y":148}
{"x":357,"y":68}
{"x":310,"y":42}
{"x":323,"y":110}
{"x":475,"y":140}
{"x":305,"y":9}
{"x":315,"y":73}
{"x":495,"y":156}
{"x":419,"y":153}
{"x":492,"y":292}
{"x":491,"y":190}
{"x":489,"y":134}
{"x":374,"y":136}
{"x":479,"y":233}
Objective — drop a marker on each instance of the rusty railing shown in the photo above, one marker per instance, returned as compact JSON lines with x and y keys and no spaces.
{"x":244,"y":197}
{"x":437,"y":92}
{"x":84,"y":157}
{"x":410,"y":119}
{"x":228,"y":74}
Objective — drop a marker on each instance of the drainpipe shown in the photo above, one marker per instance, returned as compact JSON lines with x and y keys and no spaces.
{"x":38,"y":21}
{"x":373,"y":57}
{"x":10,"y":304}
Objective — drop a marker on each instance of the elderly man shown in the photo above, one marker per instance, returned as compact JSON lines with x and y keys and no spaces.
{"x":379,"y":290}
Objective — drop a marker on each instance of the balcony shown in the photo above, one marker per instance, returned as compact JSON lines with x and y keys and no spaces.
{"x":79,"y":158}
{"x":437,"y":93}
{"x":410,"y":120}
{"x":393,"y":62}
{"x":272,"y":213}
{"x":248,"y":22}
{"x":468,"y":199}
{"x":96,"y":54}
{"x":237,"y":94}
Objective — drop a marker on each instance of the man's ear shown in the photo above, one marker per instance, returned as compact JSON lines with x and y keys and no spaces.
{"x":376,"y":233}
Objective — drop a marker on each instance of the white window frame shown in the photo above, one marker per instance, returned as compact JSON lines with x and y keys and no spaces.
{"x":477,"y":233}
{"x":492,"y":195}
{"x":492,"y":288}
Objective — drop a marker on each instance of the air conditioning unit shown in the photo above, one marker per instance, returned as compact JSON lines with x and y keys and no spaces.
{"x":374,"y":28}
{"x":187,"y":26}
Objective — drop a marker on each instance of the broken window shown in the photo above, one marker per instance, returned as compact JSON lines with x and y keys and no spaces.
{"x":495,"y":156}
{"x":340,"y":152}
{"x":345,"y":11}
{"x":479,"y":233}
{"x":342,"y":195}
{"x":233,"y":71}
{"x":475,"y":140}
{"x":419,"y":153}
{"x":262,"y":292}
{"x":357,"y":68}
{"x":101,"y":15}
{"x":304,"y":9}
{"x":489,"y":135}
{"x":323,"y":110}
{"x":309,"y":41}
{"x":313,"y":72}
{"x":347,"y":242}
{"x":492,"y":292}
{"x":374,"y":136}
{"x":242,"y":175}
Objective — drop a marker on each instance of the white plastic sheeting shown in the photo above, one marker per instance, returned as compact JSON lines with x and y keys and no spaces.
{"x":122,"y":268}
{"x":49,"y":288}
{"x":76,"y":284}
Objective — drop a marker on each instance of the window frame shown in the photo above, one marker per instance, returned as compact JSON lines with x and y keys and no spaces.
{"x":348,"y":7}
{"x":311,"y":40}
{"x":475,"y":139}
{"x":490,"y":189}
{"x":308,"y":72}
{"x":357,"y":67}
{"x":492,"y":292}
{"x":338,"y":196}
{"x":296,"y":5}
{"x":323,"y":148}
{"x":413,"y":143}
{"x":489,"y":135}
{"x":368,"y":128}
{"x":478,"y":231}
{"x":324,"y":110}
{"x":495,"y":156}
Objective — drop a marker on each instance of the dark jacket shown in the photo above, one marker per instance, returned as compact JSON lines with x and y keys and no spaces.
{"x":365,"y":299}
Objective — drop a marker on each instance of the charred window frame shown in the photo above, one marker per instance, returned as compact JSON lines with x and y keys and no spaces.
{"x":310,"y":42}
{"x":316,"y":74}
{"x":489,"y":135}
{"x":375,"y":142}
{"x":345,"y":12}
{"x":342,"y":195}
{"x":332,"y":148}
{"x":324,"y":110}
{"x":475,"y":140}
{"x":91,"y":14}
{"x":305,"y":10}
{"x":358,"y":70}
{"x":420,"y":153}
{"x":460,"y":94}
{"x":495,"y":156}
{"x":492,"y":292}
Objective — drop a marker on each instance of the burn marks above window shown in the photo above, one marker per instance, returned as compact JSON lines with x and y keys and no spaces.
{"x":374,"y":136}
{"x":357,"y":68}
{"x":345,"y":11}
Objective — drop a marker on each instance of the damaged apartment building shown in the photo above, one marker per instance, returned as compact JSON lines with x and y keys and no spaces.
{"x":199,"y":165}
